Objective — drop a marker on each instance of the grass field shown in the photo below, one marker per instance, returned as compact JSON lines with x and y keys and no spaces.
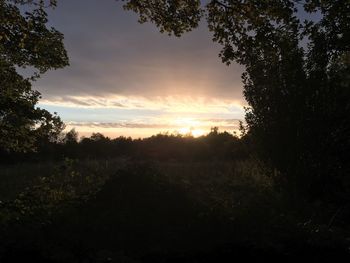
{"x":120,"y":209}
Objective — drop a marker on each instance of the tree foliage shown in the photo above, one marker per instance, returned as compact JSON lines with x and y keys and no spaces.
{"x":26,"y":41}
{"x":296,"y":81}
{"x":172,"y":17}
{"x":21,"y":122}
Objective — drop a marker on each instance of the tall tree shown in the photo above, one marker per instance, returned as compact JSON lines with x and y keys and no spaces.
{"x":26,"y":41}
{"x":296,"y":80}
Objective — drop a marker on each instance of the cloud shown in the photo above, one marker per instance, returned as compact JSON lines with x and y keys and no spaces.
{"x":128,"y":79}
{"x":84,"y":102}
{"x":169,"y":104}
{"x":161,"y":124}
{"x":116,"y":125}
{"x":111,"y":54}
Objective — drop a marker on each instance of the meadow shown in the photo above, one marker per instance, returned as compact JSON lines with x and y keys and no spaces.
{"x":127,"y":210}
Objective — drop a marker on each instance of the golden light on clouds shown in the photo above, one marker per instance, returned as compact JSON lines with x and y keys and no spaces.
{"x":144,"y":116}
{"x":169,"y":103}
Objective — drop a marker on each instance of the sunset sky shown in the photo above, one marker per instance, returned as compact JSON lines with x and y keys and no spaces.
{"x":128,"y":79}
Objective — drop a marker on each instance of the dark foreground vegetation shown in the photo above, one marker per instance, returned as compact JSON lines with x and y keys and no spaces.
{"x":214,"y":146}
{"x":283,"y":189}
{"x":170,"y":202}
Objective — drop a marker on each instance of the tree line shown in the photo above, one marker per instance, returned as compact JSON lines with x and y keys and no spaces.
{"x":215,"y":146}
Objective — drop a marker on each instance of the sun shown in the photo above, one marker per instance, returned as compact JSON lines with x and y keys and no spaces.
{"x":189,"y":127}
{"x":191,"y":131}
{"x":184,"y":131}
{"x":197,"y":132}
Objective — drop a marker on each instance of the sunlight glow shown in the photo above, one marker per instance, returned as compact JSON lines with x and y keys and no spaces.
{"x":190,"y":127}
{"x":198,"y":132}
{"x":169,"y":104}
{"x":191,"y":131}
{"x":144,"y":117}
{"x":190,"y":122}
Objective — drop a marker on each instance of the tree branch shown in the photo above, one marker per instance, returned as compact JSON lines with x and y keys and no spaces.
{"x":221,"y":4}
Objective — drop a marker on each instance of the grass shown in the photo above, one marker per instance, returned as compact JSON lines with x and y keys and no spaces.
{"x":95,"y":211}
{"x":14,"y":179}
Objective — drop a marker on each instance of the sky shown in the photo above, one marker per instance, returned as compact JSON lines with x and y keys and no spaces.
{"x":127,"y":79}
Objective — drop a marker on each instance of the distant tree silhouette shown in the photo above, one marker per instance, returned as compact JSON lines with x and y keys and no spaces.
{"x":71,"y":137}
{"x":214,"y":130}
{"x":296,"y":81}
{"x":26,"y":41}
{"x":98,"y":137}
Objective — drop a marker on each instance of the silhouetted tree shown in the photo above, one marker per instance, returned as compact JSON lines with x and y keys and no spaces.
{"x":26,"y":41}
{"x":21,"y":123}
{"x":71,"y":137}
{"x":296,"y":80}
